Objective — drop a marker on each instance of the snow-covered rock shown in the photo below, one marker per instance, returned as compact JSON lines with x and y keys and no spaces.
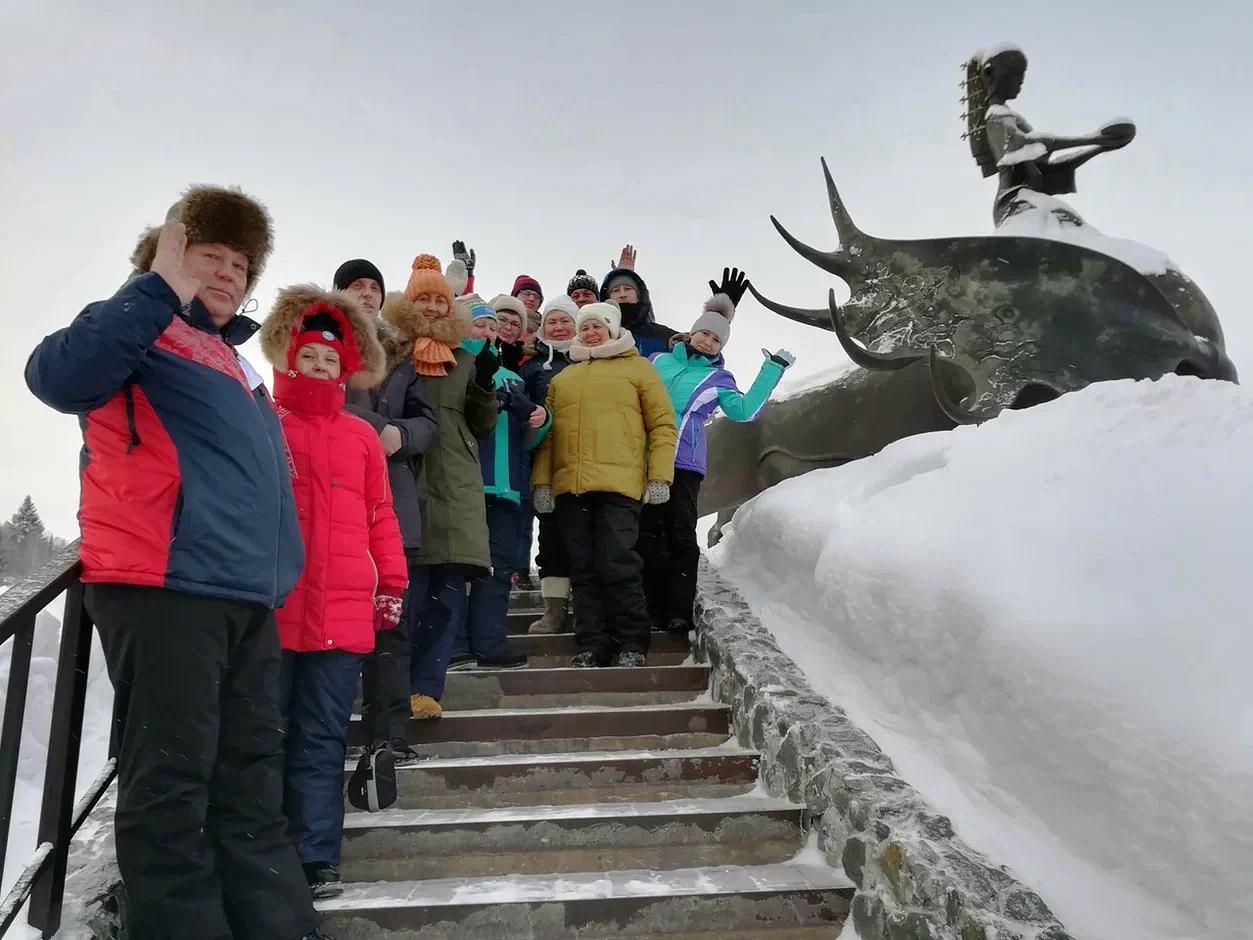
{"x":1045,"y":622}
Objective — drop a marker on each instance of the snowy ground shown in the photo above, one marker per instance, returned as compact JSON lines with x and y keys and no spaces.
{"x":1045,"y":621}
{"x":35,"y":735}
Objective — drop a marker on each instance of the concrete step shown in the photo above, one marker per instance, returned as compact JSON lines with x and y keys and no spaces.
{"x":526,"y":600}
{"x":554,"y":650}
{"x":491,"y":731}
{"x":532,"y":840}
{"x":690,"y":902}
{"x":557,"y":688}
{"x":586,"y":777}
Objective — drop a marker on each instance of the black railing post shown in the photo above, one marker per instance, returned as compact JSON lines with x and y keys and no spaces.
{"x":11,"y":736}
{"x":56,"y":817}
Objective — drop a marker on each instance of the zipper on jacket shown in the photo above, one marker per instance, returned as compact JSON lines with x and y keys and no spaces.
{"x":178,"y":514}
{"x":131,"y":425}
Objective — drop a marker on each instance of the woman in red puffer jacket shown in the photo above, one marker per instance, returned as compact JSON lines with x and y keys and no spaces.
{"x":355,"y":570}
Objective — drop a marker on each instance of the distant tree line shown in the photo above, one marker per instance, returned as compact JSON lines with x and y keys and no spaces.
{"x":25,"y":544}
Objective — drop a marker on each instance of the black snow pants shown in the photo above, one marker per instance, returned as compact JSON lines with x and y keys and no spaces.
{"x":670,"y":551}
{"x":600,"y":531}
{"x":202,"y":842}
{"x":385,"y":678}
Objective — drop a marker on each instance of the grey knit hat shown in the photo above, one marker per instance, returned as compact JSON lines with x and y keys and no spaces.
{"x":716,"y":318}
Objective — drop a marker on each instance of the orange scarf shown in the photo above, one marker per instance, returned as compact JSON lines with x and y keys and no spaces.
{"x":431,"y":357}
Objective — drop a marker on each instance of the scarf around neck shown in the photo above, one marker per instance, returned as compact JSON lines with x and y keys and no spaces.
{"x":624,"y":344}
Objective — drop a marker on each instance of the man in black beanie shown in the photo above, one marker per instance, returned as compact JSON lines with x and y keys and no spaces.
{"x":402,"y":414}
{"x":362,"y":281}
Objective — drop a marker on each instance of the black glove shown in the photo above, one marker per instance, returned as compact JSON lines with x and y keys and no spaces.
{"x":485,"y":366}
{"x":734,"y":284}
{"x":465,"y":257}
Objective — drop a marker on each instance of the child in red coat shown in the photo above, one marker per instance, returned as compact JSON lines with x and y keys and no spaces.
{"x":355,"y":571}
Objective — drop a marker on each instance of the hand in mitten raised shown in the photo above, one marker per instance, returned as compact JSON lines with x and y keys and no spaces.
{"x":656,"y":493}
{"x":781,"y":358}
{"x":387,"y":609}
{"x":542,"y":499}
{"x":468,"y":258}
{"x":485,"y":366}
{"x":734,"y":284}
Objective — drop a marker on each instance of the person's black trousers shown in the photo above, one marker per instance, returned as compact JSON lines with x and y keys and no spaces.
{"x":385,"y":678}
{"x":600,"y":531}
{"x":202,"y":842}
{"x":670,"y":552}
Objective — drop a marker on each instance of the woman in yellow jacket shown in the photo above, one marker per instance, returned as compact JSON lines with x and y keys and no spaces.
{"x":612,"y":444}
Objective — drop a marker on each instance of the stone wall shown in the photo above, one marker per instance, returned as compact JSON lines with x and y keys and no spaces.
{"x":916,"y":880}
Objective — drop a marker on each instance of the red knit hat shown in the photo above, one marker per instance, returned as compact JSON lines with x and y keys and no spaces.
{"x":526,"y":282}
{"x":325,"y":323}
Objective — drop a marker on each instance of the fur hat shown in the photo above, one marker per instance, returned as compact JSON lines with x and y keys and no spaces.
{"x":216,"y":215}
{"x":364,"y":361}
{"x":606,"y":313}
{"x":582,"y":281}
{"x":425,"y":278}
{"x":508,"y":302}
{"x":716,"y":318}
{"x":355,"y":269}
{"x":526,"y":282}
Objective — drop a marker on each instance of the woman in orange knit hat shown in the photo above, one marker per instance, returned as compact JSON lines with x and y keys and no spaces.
{"x":450,"y":487}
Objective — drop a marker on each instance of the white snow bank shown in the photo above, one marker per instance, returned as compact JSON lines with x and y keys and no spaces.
{"x":1045,"y":622}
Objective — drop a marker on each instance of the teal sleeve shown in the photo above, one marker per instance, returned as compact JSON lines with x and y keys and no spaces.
{"x":745,"y":406}
{"x":535,"y":436}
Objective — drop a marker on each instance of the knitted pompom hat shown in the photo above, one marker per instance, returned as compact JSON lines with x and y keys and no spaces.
{"x":427,"y":278}
{"x":716,"y":318}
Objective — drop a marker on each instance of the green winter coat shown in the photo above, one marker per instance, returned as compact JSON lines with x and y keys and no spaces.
{"x":454,"y":519}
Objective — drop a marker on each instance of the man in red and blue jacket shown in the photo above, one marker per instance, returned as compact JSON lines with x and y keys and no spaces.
{"x":189,"y":540}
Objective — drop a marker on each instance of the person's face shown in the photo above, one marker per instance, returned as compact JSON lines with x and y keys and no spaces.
{"x":509,"y":326}
{"x":432,"y":306}
{"x":484,"y":328}
{"x":367,"y":292}
{"x":1007,"y":70}
{"x":706,"y":342}
{"x":317,"y":361}
{"x":559,"y":326}
{"x":593,"y":332}
{"x":223,"y":276}
{"x":530,"y":299}
{"x":582,"y":297}
{"x":624,"y":292}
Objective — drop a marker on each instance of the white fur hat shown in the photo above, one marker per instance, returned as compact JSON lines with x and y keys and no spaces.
{"x":607,"y":313}
{"x":716,"y":318}
{"x":505,"y":302}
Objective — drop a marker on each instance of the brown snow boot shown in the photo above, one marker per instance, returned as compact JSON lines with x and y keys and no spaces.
{"x":555,"y":592}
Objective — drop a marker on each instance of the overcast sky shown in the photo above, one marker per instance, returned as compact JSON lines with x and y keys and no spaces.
{"x":547,"y":135}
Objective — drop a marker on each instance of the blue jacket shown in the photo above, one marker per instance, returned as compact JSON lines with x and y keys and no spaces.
{"x":698,"y":386}
{"x":505,"y":454}
{"x":185,"y":478}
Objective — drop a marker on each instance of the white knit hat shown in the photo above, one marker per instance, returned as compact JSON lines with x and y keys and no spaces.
{"x":716,"y":318}
{"x":559,"y":304}
{"x":607,"y":313}
{"x":505,"y":302}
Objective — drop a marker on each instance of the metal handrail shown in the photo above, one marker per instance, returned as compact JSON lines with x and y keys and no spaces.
{"x":43,"y":880}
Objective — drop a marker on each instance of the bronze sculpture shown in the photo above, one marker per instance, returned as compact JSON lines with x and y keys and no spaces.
{"x":953,"y":330}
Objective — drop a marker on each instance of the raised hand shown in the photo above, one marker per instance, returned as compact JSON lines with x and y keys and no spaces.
{"x":734,"y":284}
{"x":781,"y":358}
{"x":626,"y":259}
{"x":168,"y":261}
{"x":468,"y":258}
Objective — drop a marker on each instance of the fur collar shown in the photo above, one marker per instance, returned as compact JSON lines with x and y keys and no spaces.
{"x":624,"y":345}
{"x":289,"y":307}
{"x":403,"y":314}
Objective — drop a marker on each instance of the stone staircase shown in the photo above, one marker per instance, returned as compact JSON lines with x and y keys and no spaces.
{"x":579,"y":803}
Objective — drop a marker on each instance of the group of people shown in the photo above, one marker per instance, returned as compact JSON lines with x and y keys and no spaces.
{"x":256,"y":557}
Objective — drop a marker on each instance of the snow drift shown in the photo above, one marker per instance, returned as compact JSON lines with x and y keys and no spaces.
{"x":1044,"y":621}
